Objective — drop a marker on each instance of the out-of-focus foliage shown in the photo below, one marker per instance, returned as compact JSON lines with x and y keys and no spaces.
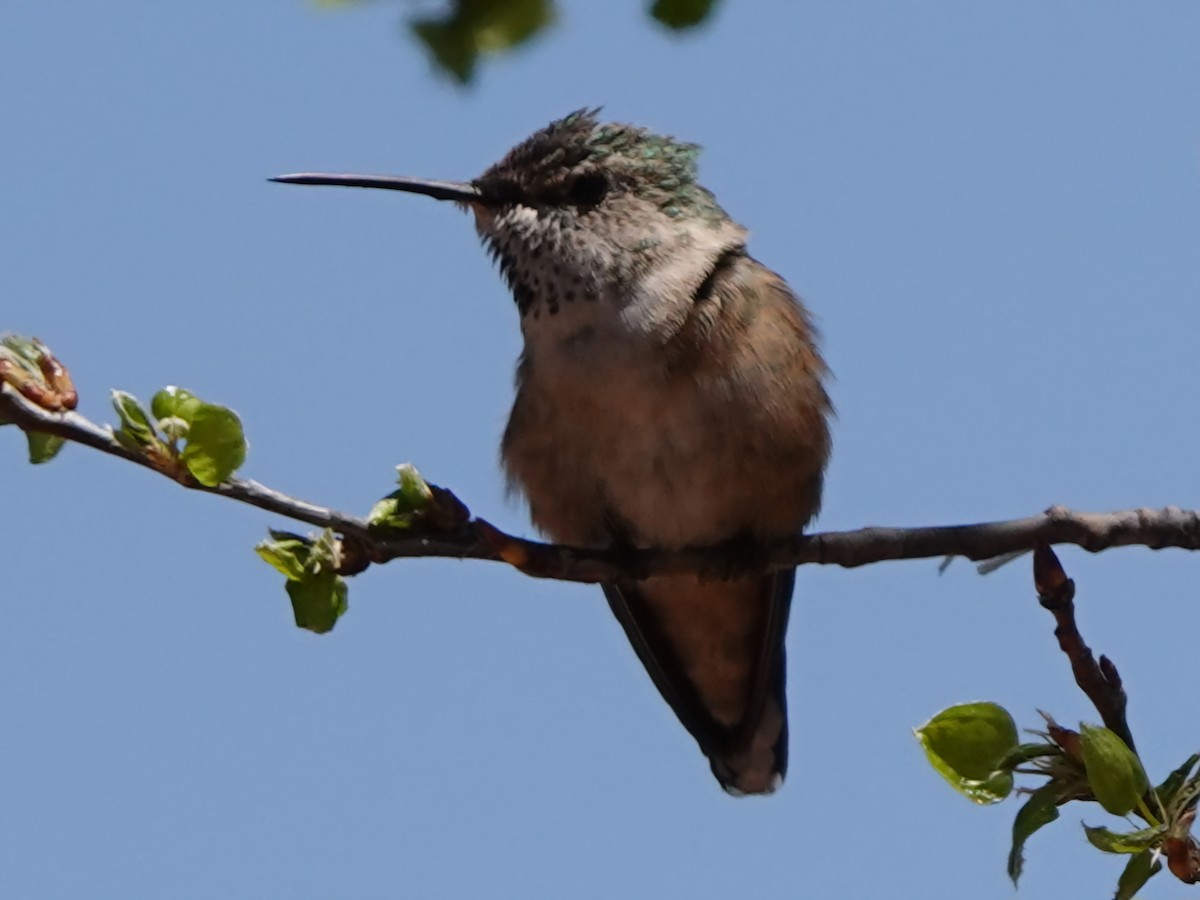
{"x":679,"y":14}
{"x":466,"y":30}
{"x":473,"y":28}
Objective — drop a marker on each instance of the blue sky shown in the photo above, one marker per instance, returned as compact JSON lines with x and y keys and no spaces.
{"x":994,"y":214}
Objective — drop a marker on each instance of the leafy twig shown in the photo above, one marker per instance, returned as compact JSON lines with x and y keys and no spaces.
{"x":474,"y":538}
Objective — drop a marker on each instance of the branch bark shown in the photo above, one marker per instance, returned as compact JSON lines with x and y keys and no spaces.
{"x":1099,"y":680}
{"x":474,"y":538}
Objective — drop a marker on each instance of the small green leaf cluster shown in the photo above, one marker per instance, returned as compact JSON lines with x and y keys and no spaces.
{"x":975,"y":747}
{"x":319,"y":595}
{"x":180,"y":429}
{"x":406,"y":506}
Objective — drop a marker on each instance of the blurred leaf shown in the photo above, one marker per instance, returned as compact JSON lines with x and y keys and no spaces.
{"x":1130,"y":842}
{"x":451,"y":48}
{"x":43,"y":447}
{"x":966,"y":744}
{"x":174,"y":401}
{"x":1039,"y":810}
{"x":216,"y":445}
{"x":679,"y":14}
{"x":501,"y":26}
{"x":473,"y":27}
{"x":1140,"y":869}
{"x":1173,"y":782}
{"x":135,"y":422}
{"x":1114,"y":773}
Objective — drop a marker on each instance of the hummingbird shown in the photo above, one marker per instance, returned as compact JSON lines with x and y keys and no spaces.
{"x":669,"y":394}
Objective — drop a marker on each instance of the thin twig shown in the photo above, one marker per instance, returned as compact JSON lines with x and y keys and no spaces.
{"x":473,"y":538}
{"x":1099,"y":680}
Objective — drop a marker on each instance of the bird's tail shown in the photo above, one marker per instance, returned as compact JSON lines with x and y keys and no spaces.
{"x":715,"y":650}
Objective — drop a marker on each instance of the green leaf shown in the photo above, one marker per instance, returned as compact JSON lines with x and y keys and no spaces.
{"x":287,"y":552}
{"x":1140,"y":869}
{"x":1039,"y":810}
{"x":966,"y":744}
{"x":175,"y":402}
{"x":1129,"y":842}
{"x":174,"y":408}
{"x":216,"y":445}
{"x":43,"y":447}
{"x":405,"y":507}
{"x":128,"y":441}
{"x":389,"y":512}
{"x":1173,"y":782}
{"x":680,"y":14}
{"x":414,"y":489}
{"x":319,"y":595}
{"x":318,"y":601}
{"x":480,"y":26}
{"x":1114,"y":773}
{"x":135,"y":421}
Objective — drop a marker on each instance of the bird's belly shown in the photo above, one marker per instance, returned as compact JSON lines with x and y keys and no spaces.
{"x":667,"y":463}
{"x":669,"y":474}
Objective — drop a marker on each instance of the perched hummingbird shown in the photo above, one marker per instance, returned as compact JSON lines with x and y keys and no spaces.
{"x":669,"y":395}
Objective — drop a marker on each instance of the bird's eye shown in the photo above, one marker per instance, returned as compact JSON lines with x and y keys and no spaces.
{"x":588,"y":189}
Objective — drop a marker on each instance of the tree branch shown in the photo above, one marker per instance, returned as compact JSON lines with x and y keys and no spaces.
{"x":1099,"y":680}
{"x":461,"y":536}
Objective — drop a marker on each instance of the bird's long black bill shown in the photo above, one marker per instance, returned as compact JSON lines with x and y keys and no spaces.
{"x":462,"y":191}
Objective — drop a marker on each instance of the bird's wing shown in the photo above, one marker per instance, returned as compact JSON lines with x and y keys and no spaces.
{"x":715,"y":651}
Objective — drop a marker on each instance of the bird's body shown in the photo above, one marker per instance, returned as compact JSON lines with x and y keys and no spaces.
{"x":669,"y":394}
